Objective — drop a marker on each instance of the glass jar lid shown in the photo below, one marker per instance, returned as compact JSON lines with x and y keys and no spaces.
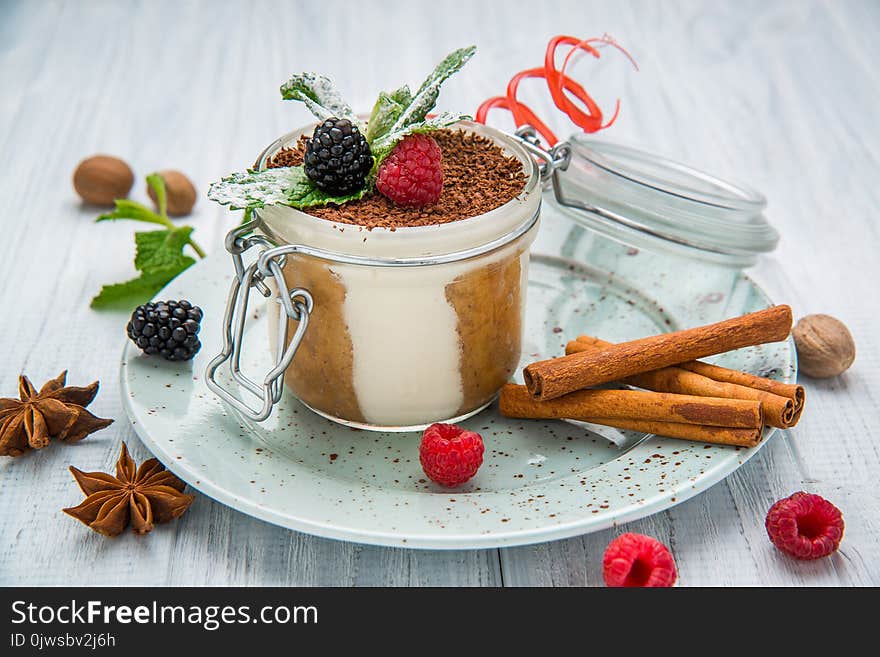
{"x":644,"y":200}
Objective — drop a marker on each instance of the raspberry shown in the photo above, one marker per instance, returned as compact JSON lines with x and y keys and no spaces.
{"x":412,"y":175}
{"x":638,"y":560}
{"x":805,"y":526}
{"x":449,"y":454}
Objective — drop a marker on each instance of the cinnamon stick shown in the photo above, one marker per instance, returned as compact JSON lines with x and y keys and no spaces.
{"x":694,"y":432}
{"x":555,"y":377}
{"x":650,"y":412}
{"x":780,"y":410}
{"x":790,"y":390}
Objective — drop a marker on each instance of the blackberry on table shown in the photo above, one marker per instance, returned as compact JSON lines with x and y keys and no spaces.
{"x":169,"y":329}
{"x":338,"y":157}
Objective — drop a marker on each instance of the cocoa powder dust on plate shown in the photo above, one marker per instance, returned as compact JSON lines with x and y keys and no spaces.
{"x":477,"y":177}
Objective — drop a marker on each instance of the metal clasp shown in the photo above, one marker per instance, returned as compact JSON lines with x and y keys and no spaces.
{"x":548,"y":161}
{"x":297,"y":304}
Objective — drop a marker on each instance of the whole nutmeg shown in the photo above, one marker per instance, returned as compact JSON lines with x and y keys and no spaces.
{"x":101,"y":179}
{"x":180,"y":191}
{"x":825,"y":347}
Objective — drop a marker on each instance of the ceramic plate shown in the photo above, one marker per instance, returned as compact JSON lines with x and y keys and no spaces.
{"x":540,"y":481}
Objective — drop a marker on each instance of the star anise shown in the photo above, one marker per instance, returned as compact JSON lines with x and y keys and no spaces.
{"x":56,"y":411}
{"x":139,"y":497}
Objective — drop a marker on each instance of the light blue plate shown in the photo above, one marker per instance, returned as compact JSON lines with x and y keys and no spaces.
{"x":540,"y":481}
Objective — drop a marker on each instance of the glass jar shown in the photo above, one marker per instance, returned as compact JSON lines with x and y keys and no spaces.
{"x":408,"y":325}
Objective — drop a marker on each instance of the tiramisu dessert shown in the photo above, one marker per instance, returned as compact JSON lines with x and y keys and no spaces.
{"x":398,"y":347}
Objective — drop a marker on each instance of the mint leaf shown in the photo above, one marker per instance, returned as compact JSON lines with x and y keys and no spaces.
{"x":158,"y":258}
{"x":426,"y":97}
{"x":386,"y":111}
{"x":253,"y":189}
{"x":319,"y":95}
{"x":139,"y":290}
{"x":127,"y":209}
{"x":280,"y":186}
{"x":159,"y":248}
{"x":403,"y":95}
{"x":157,"y":184}
{"x":305,"y":194}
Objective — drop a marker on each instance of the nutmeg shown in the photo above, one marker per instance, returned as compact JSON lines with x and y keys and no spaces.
{"x":101,"y":179}
{"x":825,"y":347}
{"x":181,"y":193}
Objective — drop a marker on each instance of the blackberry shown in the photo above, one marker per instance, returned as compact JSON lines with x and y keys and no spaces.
{"x":169,"y":329}
{"x":338,"y":157}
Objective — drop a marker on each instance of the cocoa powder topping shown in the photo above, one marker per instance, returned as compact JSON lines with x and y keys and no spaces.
{"x":477,"y":177}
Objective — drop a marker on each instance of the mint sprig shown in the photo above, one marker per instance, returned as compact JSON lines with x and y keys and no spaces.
{"x":395,"y":115}
{"x":159,"y":254}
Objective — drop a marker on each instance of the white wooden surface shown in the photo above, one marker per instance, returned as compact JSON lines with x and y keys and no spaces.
{"x":783,"y":95}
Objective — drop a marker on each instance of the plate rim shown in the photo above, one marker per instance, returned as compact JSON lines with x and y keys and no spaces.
{"x":668,"y":498}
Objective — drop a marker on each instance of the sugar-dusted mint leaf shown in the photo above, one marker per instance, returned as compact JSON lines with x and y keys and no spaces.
{"x":426,"y":97}
{"x":279,"y":186}
{"x":388,"y":107}
{"x":319,"y":95}
{"x":383,"y":146}
{"x":253,"y":189}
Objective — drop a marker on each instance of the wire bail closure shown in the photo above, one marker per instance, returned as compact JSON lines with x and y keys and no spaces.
{"x":548,"y":161}
{"x":297,"y":304}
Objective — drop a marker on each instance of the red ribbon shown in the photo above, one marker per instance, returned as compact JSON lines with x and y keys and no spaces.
{"x":562,"y":90}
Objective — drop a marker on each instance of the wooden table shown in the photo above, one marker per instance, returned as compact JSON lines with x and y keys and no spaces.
{"x":783,"y":95}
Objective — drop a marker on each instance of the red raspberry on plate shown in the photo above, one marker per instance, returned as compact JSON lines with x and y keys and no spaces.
{"x":449,"y":454}
{"x":805,"y":526}
{"x":638,"y":560}
{"x":412,"y":174}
